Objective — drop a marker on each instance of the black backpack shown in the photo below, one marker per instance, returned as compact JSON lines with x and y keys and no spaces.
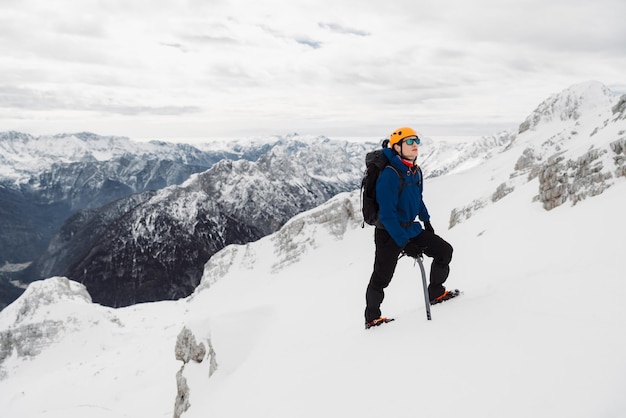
{"x":375,"y":163}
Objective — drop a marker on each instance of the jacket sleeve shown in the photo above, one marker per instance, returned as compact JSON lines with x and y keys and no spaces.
{"x":387,"y":187}
{"x":423,"y":212}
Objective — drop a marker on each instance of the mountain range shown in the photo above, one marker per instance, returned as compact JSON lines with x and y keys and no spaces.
{"x":275,"y":326}
{"x":100,"y":210}
{"x":46,"y":179}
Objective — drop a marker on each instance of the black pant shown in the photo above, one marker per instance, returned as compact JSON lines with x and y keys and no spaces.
{"x":386,"y":258}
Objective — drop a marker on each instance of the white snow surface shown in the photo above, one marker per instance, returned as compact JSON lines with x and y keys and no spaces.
{"x":538,"y":332}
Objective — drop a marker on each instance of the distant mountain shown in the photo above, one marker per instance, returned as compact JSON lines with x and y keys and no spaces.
{"x":439,"y":157}
{"x":46,"y":179}
{"x":43,"y":180}
{"x":256,"y":186}
{"x":153,"y":245}
{"x":24,"y":156}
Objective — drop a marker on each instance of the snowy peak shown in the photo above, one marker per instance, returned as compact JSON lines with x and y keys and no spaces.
{"x":33,"y":305}
{"x":26,"y":153}
{"x":46,"y":313}
{"x":573,"y":145}
{"x":587,"y":98}
{"x":24,"y":156}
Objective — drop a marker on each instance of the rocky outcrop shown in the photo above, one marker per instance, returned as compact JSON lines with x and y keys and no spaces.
{"x":619,"y":110}
{"x":458,"y":215}
{"x":188,"y":350}
{"x":528,"y":163}
{"x":501,"y":191}
{"x":561,"y":180}
{"x":43,"y":314}
{"x":619,"y":149}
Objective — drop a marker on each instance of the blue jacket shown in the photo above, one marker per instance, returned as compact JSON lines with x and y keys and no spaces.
{"x":397,"y":213}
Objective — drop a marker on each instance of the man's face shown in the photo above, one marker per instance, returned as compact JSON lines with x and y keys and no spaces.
{"x":408,"y":152}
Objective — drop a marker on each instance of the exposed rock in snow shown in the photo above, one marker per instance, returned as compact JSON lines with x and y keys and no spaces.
{"x":458,"y":215}
{"x":619,"y":149}
{"x":502,"y":190}
{"x":182,"y":394}
{"x":560,"y":180}
{"x":188,"y":350}
{"x":289,"y":244}
{"x":43,"y":314}
{"x":619,"y":110}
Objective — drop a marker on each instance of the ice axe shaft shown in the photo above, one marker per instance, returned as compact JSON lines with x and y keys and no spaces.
{"x":425,"y":285}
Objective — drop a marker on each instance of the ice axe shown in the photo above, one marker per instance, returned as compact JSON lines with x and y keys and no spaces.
{"x":419,"y":257}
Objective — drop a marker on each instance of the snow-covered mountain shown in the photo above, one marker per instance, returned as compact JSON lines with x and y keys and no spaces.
{"x":24,"y":156}
{"x":574,"y":143}
{"x":275,"y":328}
{"x":43,"y":180}
{"x":440,"y":157}
{"x":179,"y":229}
{"x":153,"y":246}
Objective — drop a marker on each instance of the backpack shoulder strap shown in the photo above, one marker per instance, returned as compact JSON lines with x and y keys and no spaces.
{"x":397,"y":172}
{"x":400,"y":176}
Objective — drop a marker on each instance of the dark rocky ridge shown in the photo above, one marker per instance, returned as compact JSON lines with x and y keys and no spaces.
{"x":153,"y":245}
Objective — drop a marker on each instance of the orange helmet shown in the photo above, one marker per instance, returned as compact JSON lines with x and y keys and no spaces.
{"x":399,"y":134}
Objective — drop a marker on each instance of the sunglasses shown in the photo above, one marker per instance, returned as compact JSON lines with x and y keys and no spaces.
{"x":412,"y":140}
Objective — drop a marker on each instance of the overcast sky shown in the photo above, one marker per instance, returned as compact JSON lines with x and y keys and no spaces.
{"x":230,"y":68}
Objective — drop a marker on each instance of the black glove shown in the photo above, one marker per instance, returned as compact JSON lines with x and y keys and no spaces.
{"x":428,"y":227}
{"x":412,"y":250}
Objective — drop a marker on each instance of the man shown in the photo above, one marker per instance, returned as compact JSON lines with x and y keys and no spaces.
{"x":400,"y":203}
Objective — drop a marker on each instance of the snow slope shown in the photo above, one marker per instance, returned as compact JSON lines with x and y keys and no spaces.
{"x":539,"y":331}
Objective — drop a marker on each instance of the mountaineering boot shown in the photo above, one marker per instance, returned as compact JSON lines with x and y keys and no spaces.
{"x":377,"y":322}
{"x":447,"y":295}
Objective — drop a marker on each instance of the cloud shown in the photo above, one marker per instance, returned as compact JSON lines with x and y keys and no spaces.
{"x":210,"y":39}
{"x":38,"y":100}
{"x":21,"y":98}
{"x":334,"y":27}
{"x":552,"y":26}
{"x":275,"y":66}
{"x":176,"y":45}
{"x":310,"y":43}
